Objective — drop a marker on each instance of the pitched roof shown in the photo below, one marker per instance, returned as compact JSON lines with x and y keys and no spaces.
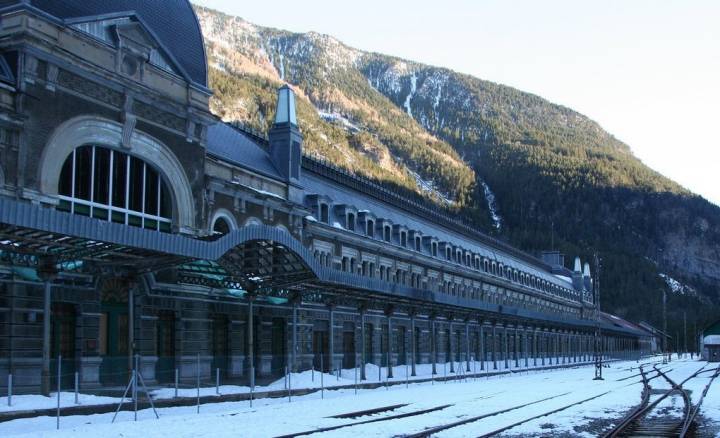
{"x":172,"y":21}
{"x":232,"y":145}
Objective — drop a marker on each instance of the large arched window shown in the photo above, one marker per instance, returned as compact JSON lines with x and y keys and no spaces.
{"x":110,"y":185}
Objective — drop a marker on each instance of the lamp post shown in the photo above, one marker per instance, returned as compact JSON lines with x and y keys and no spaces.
{"x":47,"y":271}
{"x":598,"y":333}
{"x":664,"y":309}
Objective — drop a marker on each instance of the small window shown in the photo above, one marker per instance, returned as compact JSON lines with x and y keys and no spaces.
{"x":387,"y":233}
{"x":221,"y":226}
{"x":418,"y":244}
{"x":351,"y":222}
{"x":370,"y":228}
{"x":403,"y":239}
{"x":448,"y":253}
{"x":434,"y":249}
{"x":324,"y":213}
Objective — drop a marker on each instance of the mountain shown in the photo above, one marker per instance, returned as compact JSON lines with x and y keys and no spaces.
{"x":523,"y":169}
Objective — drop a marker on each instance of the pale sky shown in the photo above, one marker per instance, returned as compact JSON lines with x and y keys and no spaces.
{"x":647,"y":71}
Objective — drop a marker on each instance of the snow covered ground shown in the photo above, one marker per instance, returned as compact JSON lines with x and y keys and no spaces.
{"x":272,"y":417}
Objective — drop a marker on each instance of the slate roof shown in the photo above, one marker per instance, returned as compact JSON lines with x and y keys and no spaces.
{"x":172,"y":21}
{"x":232,"y":145}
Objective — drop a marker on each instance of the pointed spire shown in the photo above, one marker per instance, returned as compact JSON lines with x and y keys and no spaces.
{"x":285,"y":106}
{"x":586,"y":269}
{"x":578,"y":265}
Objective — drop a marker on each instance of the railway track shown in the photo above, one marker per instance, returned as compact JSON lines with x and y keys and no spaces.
{"x":639,"y":423}
{"x":635,"y":423}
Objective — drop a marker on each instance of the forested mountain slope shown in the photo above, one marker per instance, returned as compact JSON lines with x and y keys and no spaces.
{"x":521,"y":168}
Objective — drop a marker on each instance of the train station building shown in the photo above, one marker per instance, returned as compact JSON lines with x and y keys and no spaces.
{"x":135,"y":222}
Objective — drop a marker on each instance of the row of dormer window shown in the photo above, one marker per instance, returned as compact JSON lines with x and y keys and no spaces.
{"x":365,"y":222}
{"x":454,"y":287}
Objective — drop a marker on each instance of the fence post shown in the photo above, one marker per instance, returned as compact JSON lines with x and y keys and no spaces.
{"x":287,"y":382}
{"x":76,"y":387}
{"x":59,"y":366}
{"x":135,"y":392}
{"x":252,"y":383}
{"x":217,"y":381}
{"x":176,"y":382}
{"x":197,"y":372}
{"x":10,"y":382}
{"x":322,"y":371}
{"x":356,"y":368}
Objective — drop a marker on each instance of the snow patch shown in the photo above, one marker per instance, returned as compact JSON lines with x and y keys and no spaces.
{"x":430,"y":187}
{"x":282,"y":67}
{"x":332,"y":117}
{"x":678,"y":287}
{"x":492,"y":205}
{"x":413,"y":88}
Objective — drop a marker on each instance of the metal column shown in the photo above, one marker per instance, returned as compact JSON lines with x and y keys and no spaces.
{"x":414,"y":341}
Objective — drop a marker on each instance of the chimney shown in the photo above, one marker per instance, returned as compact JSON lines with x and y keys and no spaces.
{"x":285,"y":137}
{"x":577,"y":276}
{"x":587,"y":279}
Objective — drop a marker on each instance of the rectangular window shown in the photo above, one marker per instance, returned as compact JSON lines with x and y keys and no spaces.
{"x":135,"y":186}
{"x":119,"y":179}
{"x":101,"y":177}
{"x":83,"y":166}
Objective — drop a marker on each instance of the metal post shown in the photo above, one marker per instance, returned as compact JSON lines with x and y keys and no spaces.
{"x":482,"y":346}
{"x":450,"y":338}
{"x":525,"y":346}
{"x":131,"y":325}
{"x":176,"y":382}
{"x":505,"y":345}
{"x":467,"y":345}
{"x":217,"y":381}
{"x":322,"y":372}
{"x":407,"y":376}
{"x":10,"y":389}
{"x":197,"y":376}
{"x":294,"y":338}
{"x":389,"y":346}
{"x":413,"y":341}
{"x":331,"y":343}
{"x":59,"y":375}
{"x":433,"y":346}
{"x":357,"y":363}
{"x":46,"y":339}
{"x":516,"y":346}
{"x":251,"y":340}
{"x":363,"y":353}
{"x":494,"y":345}
{"x":289,"y":384}
{"x":77,"y":381}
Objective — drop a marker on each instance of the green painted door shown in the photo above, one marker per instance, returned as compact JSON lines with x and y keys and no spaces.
{"x":165,"y":337}
{"x":114,"y":345}
{"x":63,"y":344}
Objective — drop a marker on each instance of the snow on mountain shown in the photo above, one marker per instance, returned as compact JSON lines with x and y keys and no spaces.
{"x":678,"y":287}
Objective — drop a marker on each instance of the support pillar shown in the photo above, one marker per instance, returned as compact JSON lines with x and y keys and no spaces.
{"x":413,"y":341}
{"x":251,"y":341}
{"x":433,"y":344}
{"x":47,"y":271}
{"x":450,"y":338}
{"x":516,"y":345}
{"x":494,"y":345}
{"x":362,"y":343}
{"x":331,"y":335}
{"x":525,"y":345}
{"x":505,"y":345}
{"x":388,"y":314}
{"x":482,"y":346}
{"x":294,"y":335}
{"x":467,"y":345}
